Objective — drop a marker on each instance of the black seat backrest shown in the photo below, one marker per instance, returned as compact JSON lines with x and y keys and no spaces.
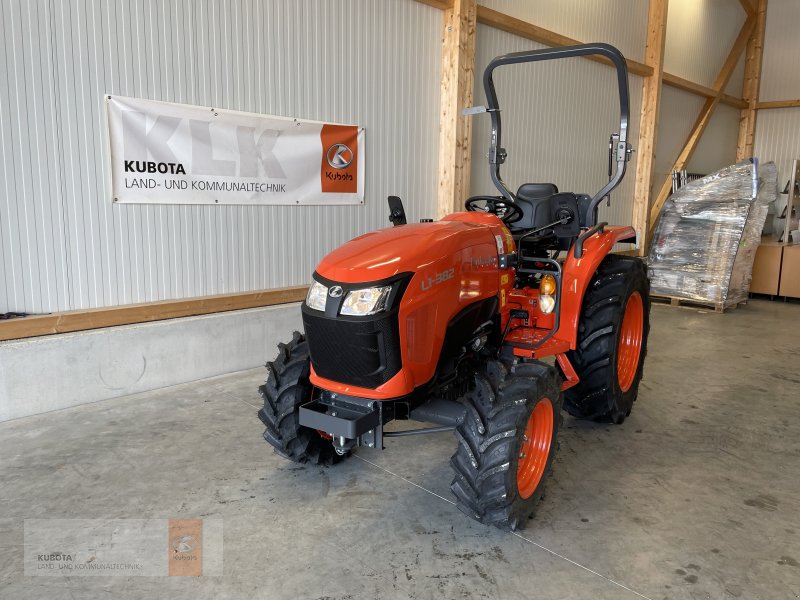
{"x":534,"y":200}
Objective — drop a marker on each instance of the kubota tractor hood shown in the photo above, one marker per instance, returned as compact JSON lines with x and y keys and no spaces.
{"x":403,"y":249}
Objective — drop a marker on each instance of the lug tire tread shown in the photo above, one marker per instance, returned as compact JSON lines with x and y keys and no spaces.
{"x":485,"y":462}
{"x":287,"y":387}
{"x":598,"y":395}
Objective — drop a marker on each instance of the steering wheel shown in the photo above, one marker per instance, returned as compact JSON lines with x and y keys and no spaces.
{"x":512,"y":212}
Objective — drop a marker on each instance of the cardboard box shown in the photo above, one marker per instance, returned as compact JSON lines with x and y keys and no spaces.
{"x":790,"y":272}
{"x":767,"y":269}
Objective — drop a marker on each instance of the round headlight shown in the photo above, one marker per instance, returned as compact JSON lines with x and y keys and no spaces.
{"x":547,"y":304}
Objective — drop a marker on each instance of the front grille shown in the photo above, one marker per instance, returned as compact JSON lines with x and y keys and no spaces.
{"x":364,"y":352}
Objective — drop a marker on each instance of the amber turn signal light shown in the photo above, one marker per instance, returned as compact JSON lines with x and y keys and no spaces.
{"x":547,"y":286}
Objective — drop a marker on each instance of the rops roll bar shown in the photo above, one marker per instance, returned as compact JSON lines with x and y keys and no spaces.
{"x":497,"y":153}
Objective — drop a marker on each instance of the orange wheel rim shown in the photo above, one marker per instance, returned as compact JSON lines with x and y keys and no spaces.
{"x":535,"y":448}
{"x":630,"y":341}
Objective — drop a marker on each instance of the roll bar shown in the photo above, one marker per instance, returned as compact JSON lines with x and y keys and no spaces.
{"x":497,"y":153}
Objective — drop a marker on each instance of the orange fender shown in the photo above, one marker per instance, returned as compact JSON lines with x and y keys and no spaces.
{"x":578,"y":272}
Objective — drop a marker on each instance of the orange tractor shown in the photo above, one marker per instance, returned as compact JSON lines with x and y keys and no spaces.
{"x":450,"y":323}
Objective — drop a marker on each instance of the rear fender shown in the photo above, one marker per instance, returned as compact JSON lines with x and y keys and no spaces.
{"x":578,"y":273}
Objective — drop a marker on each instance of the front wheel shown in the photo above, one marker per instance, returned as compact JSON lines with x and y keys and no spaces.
{"x":612,"y":341}
{"x":287,"y":387}
{"x":506,"y":442}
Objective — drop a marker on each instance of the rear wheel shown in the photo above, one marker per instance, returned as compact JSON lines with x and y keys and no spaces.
{"x":507,"y":442}
{"x":287,"y":387}
{"x":612,"y":341}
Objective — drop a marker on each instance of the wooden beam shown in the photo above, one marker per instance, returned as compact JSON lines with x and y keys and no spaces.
{"x":95,"y":318}
{"x":732,"y":101}
{"x":752,"y":83}
{"x":455,"y":130}
{"x":440,"y":4}
{"x":648,"y":123}
{"x":529,"y":31}
{"x":702,"y":90}
{"x":688,"y":86}
{"x":777,"y":104}
{"x":748,"y":7}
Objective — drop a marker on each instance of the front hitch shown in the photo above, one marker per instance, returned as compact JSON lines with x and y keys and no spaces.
{"x":349,"y":420}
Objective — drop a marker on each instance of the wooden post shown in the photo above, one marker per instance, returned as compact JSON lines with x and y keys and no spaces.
{"x":455,"y":130}
{"x":648,"y":124}
{"x":752,"y":83}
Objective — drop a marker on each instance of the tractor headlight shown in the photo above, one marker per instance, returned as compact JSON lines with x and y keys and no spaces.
{"x":317,"y":295}
{"x":547,"y":293}
{"x":547,"y":304}
{"x":360,"y":303}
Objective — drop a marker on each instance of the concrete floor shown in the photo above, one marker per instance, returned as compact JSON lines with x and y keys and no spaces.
{"x":695,"y":496}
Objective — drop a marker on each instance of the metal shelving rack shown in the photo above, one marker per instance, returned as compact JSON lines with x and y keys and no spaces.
{"x":792,"y":203}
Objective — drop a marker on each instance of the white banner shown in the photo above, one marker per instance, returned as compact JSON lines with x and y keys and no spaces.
{"x":166,"y":153}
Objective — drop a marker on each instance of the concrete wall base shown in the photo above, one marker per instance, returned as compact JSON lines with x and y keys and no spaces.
{"x":60,"y":371}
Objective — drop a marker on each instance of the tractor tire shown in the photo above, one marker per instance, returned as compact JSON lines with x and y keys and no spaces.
{"x":286,"y":388}
{"x":506,"y":442}
{"x":612,"y":341}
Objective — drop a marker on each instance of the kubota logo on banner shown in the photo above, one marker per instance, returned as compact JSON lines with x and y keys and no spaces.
{"x":169,"y":153}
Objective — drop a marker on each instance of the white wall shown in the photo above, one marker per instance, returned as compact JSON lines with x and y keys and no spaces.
{"x":60,"y":371}
{"x":622,"y":23}
{"x":778,"y":130}
{"x":63,"y":245}
{"x":700,"y":35}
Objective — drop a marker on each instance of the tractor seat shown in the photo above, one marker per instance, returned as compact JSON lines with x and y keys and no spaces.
{"x":534,"y":200}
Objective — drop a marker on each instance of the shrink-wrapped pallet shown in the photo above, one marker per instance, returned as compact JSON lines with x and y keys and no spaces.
{"x":708,"y":233}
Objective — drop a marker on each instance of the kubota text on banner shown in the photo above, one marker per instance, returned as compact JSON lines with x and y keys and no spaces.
{"x":166,"y":153}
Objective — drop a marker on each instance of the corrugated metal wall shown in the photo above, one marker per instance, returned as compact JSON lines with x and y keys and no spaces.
{"x":679,"y":111}
{"x":778,"y":139}
{"x":64,"y":246}
{"x":780,"y":77}
{"x":700,"y":34}
{"x":557,"y":117}
{"x":778,"y":130}
{"x":622,"y":23}
{"x":717,"y":147}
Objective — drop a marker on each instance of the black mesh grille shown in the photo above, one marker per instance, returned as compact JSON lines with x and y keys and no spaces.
{"x":364,"y":352}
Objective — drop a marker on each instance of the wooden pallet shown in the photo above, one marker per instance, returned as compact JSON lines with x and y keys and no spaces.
{"x":695,"y":304}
